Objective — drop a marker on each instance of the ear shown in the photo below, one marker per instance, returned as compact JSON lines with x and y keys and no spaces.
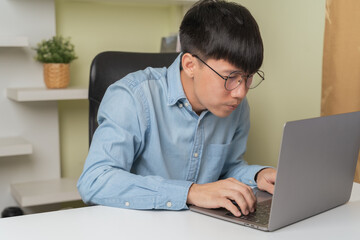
{"x":188,"y":64}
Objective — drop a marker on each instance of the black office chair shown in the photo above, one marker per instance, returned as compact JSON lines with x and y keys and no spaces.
{"x":108,"y":67}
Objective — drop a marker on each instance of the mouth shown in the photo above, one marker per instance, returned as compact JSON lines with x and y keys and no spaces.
{"x":232,"y":107}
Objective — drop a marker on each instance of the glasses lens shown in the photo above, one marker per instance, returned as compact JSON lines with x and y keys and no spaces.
{"x":233,"y":80}
{"x":255,"y":79}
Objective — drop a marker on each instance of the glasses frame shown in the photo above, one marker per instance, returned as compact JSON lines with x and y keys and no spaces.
{"x":259,"y":72}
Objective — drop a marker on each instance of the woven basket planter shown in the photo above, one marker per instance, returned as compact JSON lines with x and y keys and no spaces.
{"x":56,"y":75}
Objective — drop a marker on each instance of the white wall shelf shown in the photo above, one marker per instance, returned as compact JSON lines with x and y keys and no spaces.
{"x":9,"y":41}
{"x":14,"y":146}
{"x":29,"y":194}
{"x":44,"y":94}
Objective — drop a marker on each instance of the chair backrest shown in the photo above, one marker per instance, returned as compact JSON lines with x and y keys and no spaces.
{"x":108,"y":67}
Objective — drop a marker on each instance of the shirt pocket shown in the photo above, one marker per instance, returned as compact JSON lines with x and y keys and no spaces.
{"x":213,"y":161}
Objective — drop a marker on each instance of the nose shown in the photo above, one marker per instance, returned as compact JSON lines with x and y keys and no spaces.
{"x":239,"y":92}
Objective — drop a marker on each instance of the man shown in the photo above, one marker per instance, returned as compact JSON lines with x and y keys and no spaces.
{"x":177,"y":136}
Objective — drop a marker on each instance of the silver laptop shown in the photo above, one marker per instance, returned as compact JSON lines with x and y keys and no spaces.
{"x":316,"y":169}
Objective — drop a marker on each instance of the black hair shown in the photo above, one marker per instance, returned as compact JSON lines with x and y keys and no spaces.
{"x":222,"y":30}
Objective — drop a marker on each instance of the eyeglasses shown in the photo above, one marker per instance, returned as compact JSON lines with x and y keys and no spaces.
{"x":234,"y":79}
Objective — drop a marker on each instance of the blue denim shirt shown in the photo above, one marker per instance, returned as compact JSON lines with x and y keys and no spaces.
{"x":151,"y":146}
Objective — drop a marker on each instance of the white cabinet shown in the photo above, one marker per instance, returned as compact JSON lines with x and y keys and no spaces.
{"x":30,"y":168}
{"x":33,"y":193}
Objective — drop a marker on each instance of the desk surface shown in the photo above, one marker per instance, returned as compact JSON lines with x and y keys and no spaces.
{"x":99,"y":222}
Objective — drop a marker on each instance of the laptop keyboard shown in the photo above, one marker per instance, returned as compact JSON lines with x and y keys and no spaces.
{"x":260,"y":216}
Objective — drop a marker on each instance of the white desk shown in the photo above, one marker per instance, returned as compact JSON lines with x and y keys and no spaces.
{"x":99,"y":222}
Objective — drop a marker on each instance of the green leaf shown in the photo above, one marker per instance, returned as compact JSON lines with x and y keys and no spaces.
{"x":55,"y":50}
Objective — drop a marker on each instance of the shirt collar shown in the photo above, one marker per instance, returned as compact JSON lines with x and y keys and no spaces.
{"x":175,"y":87}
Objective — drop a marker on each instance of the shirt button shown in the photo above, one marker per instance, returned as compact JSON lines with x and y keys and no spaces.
{"x":186,"y":104}
{"x":196,"y":155}
{"x":169,"y":204}
{"x":127,"y":204}
{"x":251,"y":182}
{"x":180,"y":105}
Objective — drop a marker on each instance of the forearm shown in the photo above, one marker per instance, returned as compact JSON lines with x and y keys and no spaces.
{"x":243,"y":172}
{"x":115,"y":187}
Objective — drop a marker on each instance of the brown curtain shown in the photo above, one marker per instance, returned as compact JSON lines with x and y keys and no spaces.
{"x":341,"y":60}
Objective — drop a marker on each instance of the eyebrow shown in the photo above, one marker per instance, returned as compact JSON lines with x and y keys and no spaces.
{"x":231,"y":71}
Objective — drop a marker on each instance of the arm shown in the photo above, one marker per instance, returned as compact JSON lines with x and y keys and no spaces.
{"x":117,"y":143}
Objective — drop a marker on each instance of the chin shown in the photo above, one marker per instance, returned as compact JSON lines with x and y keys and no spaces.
{"x":221,"y":114}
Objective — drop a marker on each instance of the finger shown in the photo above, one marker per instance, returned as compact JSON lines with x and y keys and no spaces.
{"x":272,"y":177}
{"x":246,"y":193}
{"x":231,"y":208}
{"x":267,"y":181}
{"x":245,"y":189}
{"x":270,"y":188}
{"x":241,"y":202}
{"x":267,"y":186}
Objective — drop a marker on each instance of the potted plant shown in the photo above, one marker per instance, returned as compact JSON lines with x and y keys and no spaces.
{"x":56,"y":55}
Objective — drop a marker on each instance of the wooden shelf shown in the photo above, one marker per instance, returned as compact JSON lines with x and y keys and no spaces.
{"x":13,"y":146}
{"x":44,"y":94}
{"x":45,"y":192}
{"x":13,"y":41}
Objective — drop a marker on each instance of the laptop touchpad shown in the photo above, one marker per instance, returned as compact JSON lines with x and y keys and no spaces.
{"x":261,"y":196}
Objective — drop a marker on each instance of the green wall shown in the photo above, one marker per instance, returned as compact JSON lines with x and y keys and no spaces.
{"x":292,"y":31}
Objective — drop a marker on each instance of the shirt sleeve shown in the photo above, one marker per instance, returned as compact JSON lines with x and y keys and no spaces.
{"x":235,"y":165}
{"x":117,"y":143}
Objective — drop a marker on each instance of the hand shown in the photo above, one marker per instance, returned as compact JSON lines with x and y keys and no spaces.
{"x":266,"y":180}
{"x":219,"y":194}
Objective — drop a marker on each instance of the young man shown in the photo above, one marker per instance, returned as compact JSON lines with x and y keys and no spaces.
{"x":177,"y":136}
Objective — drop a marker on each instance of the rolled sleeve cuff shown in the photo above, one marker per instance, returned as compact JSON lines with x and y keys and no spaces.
{"x":173,"y":195}
{"x":249,"y":177}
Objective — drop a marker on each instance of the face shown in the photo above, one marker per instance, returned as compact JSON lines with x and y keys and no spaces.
{"x":208,"y":91}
